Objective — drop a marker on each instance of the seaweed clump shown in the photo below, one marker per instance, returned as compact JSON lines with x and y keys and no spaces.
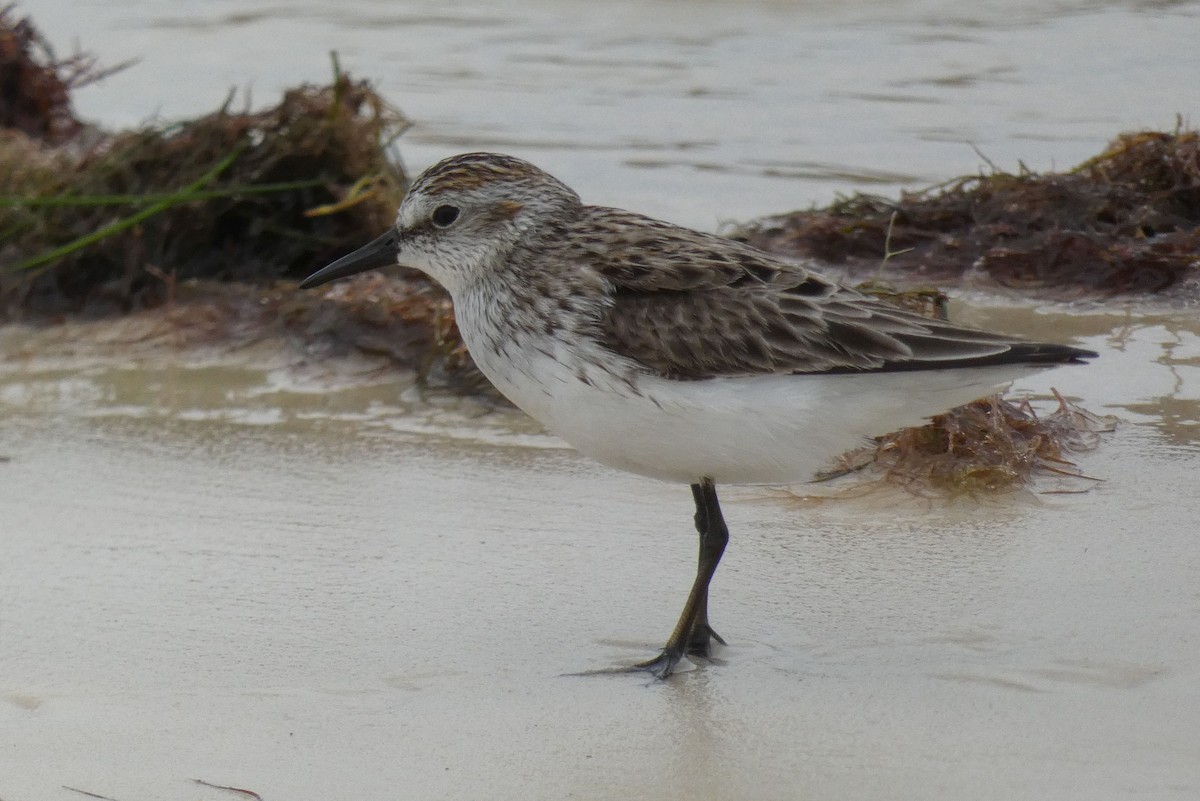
{"x":35,"y":85}
{"x":113,"y":223}
{"x":989,"y":446}
{"x":206,"y":223}
{"x":1124,"y":222}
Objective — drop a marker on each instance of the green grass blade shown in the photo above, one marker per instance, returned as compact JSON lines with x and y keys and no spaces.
{"x":12,"y":201}
{"x":186,"y":194}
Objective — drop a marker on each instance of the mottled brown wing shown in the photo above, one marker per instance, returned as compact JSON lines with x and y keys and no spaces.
{"x":692,"y":306}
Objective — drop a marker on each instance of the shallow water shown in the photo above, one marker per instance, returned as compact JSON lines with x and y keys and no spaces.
{"x":698,"y":112}
{"x":316,"y":581}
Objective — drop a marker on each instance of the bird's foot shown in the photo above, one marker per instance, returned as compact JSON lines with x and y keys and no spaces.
{"x":700,"y":643}
{"x":660,"y":667}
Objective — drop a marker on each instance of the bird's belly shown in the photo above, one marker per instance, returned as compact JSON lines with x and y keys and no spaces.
{"x":743,"y":430}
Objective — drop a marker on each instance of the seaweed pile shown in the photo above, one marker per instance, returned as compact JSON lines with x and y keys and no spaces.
{"x":992,"y":445}
{"x":112,"y":223}
{"x":210,"y":221}
{"x":35,"y":85}
{"x":1126,"y":222}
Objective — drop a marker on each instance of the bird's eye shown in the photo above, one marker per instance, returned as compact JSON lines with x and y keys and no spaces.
{"x":444,"y":215}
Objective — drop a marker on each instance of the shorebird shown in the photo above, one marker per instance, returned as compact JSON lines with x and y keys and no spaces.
{"x":672,"y":353}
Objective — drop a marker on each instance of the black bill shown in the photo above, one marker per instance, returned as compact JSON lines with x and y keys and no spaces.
{"x":380,"y":252}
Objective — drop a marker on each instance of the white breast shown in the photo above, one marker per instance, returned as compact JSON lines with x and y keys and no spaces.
{"x":745,"y":430}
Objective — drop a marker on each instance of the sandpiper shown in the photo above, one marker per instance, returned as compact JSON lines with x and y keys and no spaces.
{"x":673,"y":353}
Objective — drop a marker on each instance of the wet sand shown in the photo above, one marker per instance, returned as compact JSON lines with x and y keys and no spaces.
{"x":222,"y":571}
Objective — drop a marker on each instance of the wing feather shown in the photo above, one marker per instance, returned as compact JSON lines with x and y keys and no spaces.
{"x":691,"y":306}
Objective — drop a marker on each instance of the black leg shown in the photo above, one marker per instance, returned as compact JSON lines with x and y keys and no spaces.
{"x":693,"y":634}
{"x":710,"y":525}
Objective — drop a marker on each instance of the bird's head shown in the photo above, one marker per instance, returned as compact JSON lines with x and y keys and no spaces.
{"x":461,"y":219}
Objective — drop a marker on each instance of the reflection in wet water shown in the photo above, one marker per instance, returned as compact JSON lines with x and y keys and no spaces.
{"x":1148,"y":372}
{"x":1174,"y":345}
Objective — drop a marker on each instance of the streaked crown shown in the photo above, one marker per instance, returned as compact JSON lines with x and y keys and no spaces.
{"x":490,"y":174}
